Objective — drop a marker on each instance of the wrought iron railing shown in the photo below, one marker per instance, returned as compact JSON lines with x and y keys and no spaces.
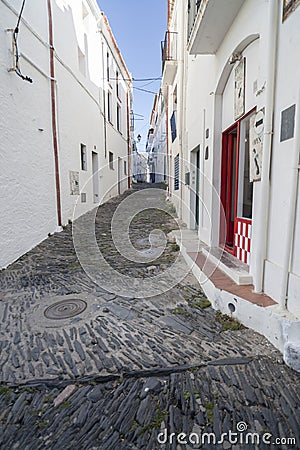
{"x":169,"y":48}
{"x":193,"y":8}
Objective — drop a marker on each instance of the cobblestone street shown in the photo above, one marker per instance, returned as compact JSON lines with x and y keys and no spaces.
{"x":84,"y":368}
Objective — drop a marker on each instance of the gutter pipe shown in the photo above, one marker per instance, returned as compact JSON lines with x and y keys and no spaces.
{"x":53,"y":116}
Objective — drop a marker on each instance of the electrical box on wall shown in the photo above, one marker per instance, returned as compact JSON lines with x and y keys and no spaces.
{"x":287,"y":123}
{"x":74,"y":182}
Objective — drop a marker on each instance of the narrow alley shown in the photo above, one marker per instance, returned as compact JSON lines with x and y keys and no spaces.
{"x":150,"y":225}
{"x":84,"y":368}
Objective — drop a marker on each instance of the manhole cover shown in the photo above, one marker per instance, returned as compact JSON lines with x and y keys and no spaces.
{"x":65,"y":309}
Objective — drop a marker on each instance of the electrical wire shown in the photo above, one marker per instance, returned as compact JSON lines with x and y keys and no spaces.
{"x":19,"y":18}
{"x":147,"y":84}
{"x":145,"y":90}
{"x":146,"y":79}
{"x":17,"y":55}
{"x":135,"y":79}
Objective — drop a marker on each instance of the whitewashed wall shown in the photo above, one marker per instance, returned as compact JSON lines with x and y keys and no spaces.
{"x":27,"y":162}
{"x":209,"y":105}
{"x":287,"y":94}
{"x":28,"y":205}
{"x":158,"y":147}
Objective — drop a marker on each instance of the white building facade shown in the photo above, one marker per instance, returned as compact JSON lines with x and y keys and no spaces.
{"x":66,"y":136}
{"x":156,"y":146}
{"x":139,"y":167}
{"x":232,"y":91}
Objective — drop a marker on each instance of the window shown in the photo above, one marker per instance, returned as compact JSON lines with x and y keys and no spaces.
{"x":173,"y":126}
{"x":107,"y":66}
{"x":125,"y":168}
{"x":175,"y":99}
{"x":81,"y":61}
{"x":119,"y":118}
{"x":83,"y":157}
{"x":109,"y":106}
{"x":117,"y":84}
{"x":173,"y":117}
{"x":176,"y":173}
{"x":245,"y":187}
{"x":111,"y":160}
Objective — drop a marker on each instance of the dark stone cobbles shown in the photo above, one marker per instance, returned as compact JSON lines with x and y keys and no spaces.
{"x":137,"y":366}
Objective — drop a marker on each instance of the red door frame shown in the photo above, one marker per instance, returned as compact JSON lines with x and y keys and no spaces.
{"x":226,"y":184}
{"x":224,"y":180}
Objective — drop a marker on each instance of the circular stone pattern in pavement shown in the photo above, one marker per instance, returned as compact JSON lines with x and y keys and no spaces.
{"x":65,"y":309}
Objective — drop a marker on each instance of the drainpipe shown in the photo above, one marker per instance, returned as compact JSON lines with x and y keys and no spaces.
{"x":201,"y":175}
{"x":183,"y":133}
{"x":168,"y":168}
{"x":104,"y":103}
{"x":53,"y":116}
{"x":290,"y":231}
{"x":128,"y":139}
{"x":261,"y":244}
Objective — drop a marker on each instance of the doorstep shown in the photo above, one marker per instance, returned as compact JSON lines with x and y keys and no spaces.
{"x":256,"y":311}
{"x":225,"y":283}
{"x":225,"y":271}
{"x":235,"y":269}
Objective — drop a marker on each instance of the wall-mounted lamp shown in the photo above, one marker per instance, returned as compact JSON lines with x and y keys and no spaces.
{"x":139,"y":137}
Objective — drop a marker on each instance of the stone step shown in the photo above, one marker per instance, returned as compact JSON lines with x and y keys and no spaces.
{"x":229,"y":264}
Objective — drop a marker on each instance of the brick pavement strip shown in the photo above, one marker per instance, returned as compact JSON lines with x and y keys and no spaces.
{"x":124,"y":370}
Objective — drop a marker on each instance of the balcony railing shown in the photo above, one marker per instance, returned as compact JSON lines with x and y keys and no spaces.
{"x":193,"y":8}
{"x":169,"y":48}
{"x":208,"y":24}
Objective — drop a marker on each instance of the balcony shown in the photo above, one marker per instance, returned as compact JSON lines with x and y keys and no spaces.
{"x":169,"y":58}
{"x":209,"y":22}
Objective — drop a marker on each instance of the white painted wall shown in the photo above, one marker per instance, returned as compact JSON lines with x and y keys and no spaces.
{"x":209,"y":104}
{"x":178,"y":24}
{"x":27,"y":163}
{"x":199,"y":113}
{"x":28,"y":208}
{"x":157,"y":142}
{"x":287,"y":94}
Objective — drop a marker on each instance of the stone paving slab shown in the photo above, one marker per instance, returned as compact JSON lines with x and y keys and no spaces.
{"x":131,"y":366}
{"x":110,"y":336}
{"x":131,"y":412}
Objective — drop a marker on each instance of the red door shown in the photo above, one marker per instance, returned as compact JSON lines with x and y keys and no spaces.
{"x":229,"y":183}
{"x":236,"y":190}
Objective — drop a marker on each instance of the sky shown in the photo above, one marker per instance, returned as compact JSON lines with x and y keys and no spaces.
{"x":139,"y":27}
